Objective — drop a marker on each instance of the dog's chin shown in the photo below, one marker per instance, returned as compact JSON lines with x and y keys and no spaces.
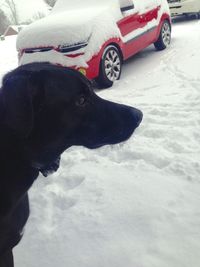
{"x":110,"y":140}
{"x":46,"y":168}
{"x":95,"y":146}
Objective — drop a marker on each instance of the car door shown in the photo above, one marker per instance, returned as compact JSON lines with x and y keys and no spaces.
{"x":151,"y":9}
{"x":132,"y":27}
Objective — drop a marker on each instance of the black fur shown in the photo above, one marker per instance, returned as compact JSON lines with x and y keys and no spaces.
{"x":45,"y":109}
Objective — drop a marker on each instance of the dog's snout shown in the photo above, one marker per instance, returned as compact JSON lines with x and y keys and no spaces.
{"x":137,"y":116}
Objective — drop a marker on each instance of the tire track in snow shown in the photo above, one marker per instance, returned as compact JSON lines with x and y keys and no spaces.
{"x":171,"y":119}
{"x":174,"y":128}
{"x":176,"y":125}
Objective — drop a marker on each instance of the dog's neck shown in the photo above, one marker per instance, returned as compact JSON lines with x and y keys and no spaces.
{"x":9,"y":142}
{"x":2,"y":107}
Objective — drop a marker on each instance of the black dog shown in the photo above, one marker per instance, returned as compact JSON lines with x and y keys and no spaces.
{"x":45,"y":109}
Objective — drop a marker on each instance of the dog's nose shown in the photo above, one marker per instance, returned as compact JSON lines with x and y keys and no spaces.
{"x":138,"y":115}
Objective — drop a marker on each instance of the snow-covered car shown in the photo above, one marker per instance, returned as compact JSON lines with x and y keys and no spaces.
{"x":96,"y":37}
{"x":184,"y":7}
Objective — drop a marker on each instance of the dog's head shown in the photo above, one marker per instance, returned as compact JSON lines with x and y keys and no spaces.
{"x":52,"y":108}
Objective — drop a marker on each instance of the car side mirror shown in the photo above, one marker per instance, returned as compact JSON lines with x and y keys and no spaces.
{"x":126,"y":8}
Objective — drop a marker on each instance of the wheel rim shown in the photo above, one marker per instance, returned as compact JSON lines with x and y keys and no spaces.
{"x":166,"y":34}
{"x":112,"y":65}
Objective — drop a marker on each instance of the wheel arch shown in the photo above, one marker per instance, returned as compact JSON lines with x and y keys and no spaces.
{"x":118,"y":48}
{"x":102,"y":79}
{"x":165,"y":17}
{"x":94,"y":63}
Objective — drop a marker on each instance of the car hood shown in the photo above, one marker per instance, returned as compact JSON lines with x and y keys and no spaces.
{"x":65,"y":27}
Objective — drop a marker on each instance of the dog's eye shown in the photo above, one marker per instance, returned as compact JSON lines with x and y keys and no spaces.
{"x":81,"y":101}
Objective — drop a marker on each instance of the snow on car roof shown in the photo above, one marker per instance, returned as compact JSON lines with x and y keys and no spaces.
{"x":66,"y":25}
{"x":80,"y":4}
{"x":72,"y":22}
{"x":94,"y":23}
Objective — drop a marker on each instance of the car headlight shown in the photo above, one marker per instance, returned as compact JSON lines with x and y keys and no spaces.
{"x":72,"y":48}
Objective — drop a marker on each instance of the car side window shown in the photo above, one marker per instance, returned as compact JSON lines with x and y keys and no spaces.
{"x":127,"y":7}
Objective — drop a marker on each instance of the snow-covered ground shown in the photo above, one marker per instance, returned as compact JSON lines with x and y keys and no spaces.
{"x":135,"y":204}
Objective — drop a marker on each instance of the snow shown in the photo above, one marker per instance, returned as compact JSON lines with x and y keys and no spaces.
{"x":7,"y":54}
{"x":64,"y":26}
{"x":79,"y":4}
{"x":135,"y":204}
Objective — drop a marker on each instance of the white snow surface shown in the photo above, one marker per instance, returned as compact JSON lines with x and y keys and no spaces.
{"x":134,"y":204}
{"x":64,"y":26}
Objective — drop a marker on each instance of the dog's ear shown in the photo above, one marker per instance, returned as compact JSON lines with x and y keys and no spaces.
{"x":18,"y":94}
{"x":18,"y":106}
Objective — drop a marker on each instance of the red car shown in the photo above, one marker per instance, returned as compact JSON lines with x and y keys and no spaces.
{"x":96,"y":37}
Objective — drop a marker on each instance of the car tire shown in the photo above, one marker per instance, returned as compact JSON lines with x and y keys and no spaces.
{"x":164,"y":38}
{"x":110,"y":67}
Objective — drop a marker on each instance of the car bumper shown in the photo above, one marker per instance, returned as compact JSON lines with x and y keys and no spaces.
{"x":88,"y":68}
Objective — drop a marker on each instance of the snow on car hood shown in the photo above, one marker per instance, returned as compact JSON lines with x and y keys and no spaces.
{"x":68,"y":27}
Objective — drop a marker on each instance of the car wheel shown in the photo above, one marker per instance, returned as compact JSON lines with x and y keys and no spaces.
{"x":164,"y":38}
{"x":110,"y":67}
